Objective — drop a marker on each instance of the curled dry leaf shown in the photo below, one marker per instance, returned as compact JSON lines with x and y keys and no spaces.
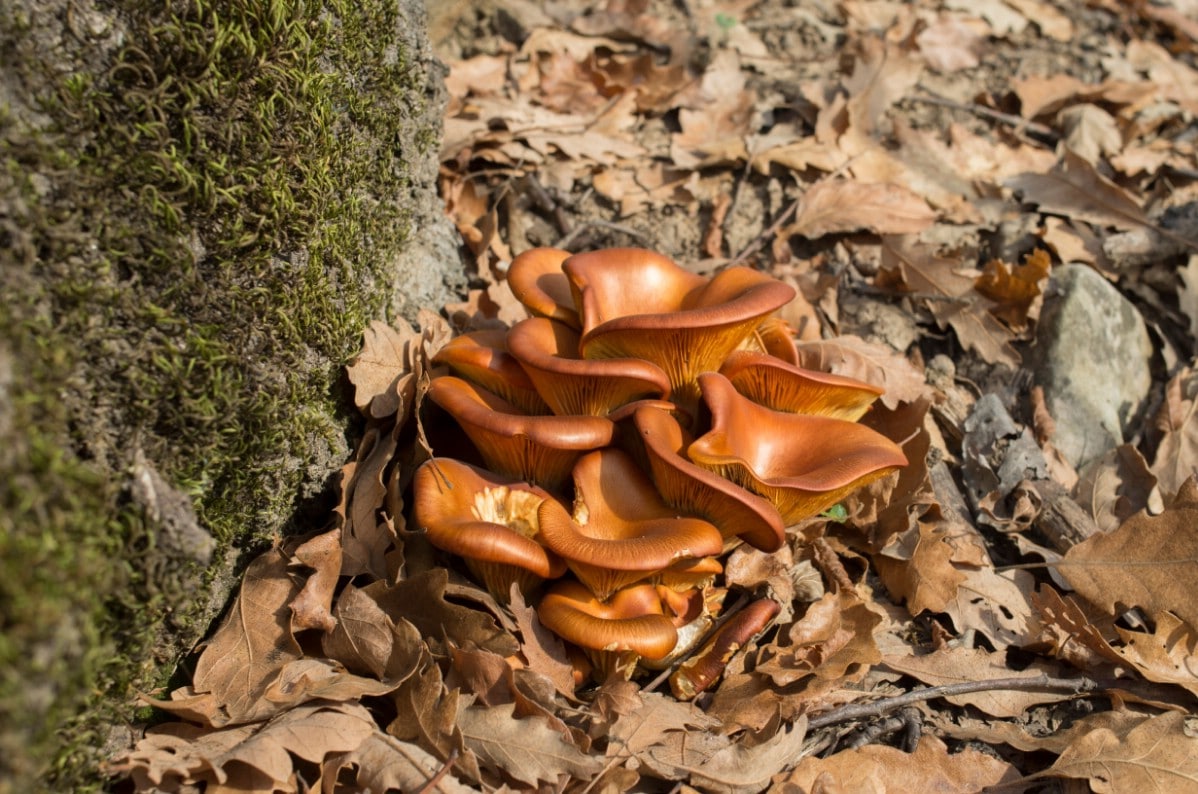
{"x":384,"y":763}
{"x":875,"y":364}
{"x":834,"y":636}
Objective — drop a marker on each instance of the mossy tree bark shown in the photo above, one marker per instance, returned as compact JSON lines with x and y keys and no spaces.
{"x":202,"y":206}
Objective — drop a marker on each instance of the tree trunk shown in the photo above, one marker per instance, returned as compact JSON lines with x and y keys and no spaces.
{"x":203,"y":205}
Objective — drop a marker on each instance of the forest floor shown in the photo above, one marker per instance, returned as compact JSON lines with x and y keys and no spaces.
{"x":1010,"y":612}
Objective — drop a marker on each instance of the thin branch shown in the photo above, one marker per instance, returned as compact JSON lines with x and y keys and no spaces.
{"x":857,"y":711}
{"x":565,"y":241}
{"x":431,"y":785}
{"x":1046,"y":134}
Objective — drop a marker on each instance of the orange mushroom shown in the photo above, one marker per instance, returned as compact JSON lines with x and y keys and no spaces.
{"x":696,"y":491}
{"x":785,"y":387}
{"x":537,"y":281}
{"x":708,"y":663}
{"x":488,"y":521}
{"x":621,"y":531}
{"x":482,"y":357}
{"x":548,"y":352}
{"x":638,"y":304}
{"x":802,"y":464}
{"x":537,"y":449}
{"x":614,"y":633}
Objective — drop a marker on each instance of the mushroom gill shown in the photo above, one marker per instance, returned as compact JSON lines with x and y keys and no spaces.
{"x":482,"y":357}
{"x":537,"y":449}
{"x":785,"y":387}
{"x":694,"y":490}
{"x":548,"y":353}
{"x":616,"y":632}
{"x":802,"y":464}
{"x":637,"y":304}
{"x":621,"y":531}
{"x":487,"y":520}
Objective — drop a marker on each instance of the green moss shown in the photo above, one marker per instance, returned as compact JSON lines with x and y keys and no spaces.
{"x":200,"y":231}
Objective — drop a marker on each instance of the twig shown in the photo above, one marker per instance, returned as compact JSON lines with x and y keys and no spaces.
{"x":1047,"y":134}
{"x":431,"y":785}
{"x":761,"y":239}
{"x":856,"y":711}
{"x":574,"y":234}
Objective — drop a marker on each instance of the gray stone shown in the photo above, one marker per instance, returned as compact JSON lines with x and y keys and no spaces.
{"x":1092,"y":359}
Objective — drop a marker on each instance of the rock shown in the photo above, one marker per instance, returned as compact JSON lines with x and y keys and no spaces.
{"x":1092,"y":358}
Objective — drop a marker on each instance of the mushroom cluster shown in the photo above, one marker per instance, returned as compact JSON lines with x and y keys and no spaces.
{"x":640,"y":424}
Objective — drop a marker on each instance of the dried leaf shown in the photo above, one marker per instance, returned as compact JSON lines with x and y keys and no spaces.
{"x":1016,"y":290}
{"x":853,"y":357}
{"x":1116,"y":486}
{"x":877,"y":769}
{"x":311,"y":608}
{"x":917,"y":568}
{"x":246,"y":653}
{"x":375,"y":372}
{"x":1168,"y":655}
{"x":544,"y":650}
{"x":180,"y":754}
{"x":1075,"y":190}
{"x":833,"y":206}
{"x":714,"y":763}
{"x":832,"y":637}
{"x":421,"y":600}
{"x":384,"y":763}
{"x":1156,"y":755}
{"x":528,"y":750}
{"x":1149,"y":562}
{"x":925,"y":272}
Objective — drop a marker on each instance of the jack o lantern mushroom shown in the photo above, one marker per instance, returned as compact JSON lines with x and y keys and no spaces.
{"x":537,"y":281}
{"x":614,"y":633}
{"x":621,"y":531}
{"x":482,"y":357}
{"x":537,"y":449}
{"x":697,"y":491}
{"x":548,"y":353}
{"x":488,"y":521}
{"x":785,"y":387}
{"x":802,"y":464}
{"x":637,"y":304}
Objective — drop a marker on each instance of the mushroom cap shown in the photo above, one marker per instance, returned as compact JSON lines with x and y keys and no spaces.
{"x":538,"y":449}
{"x":708,"y":663}
{"x":482,"y":357}
{"x":631,"y":621}
{"x":548,"y":352}
{"x":537,"y":281}
{"x":637,"y":304}
{"x":775,"y":384}
{"x":621,"y":531}
{"x":488,"y":520}
{"x":694,"y":490}
{"x":803,"y":464}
